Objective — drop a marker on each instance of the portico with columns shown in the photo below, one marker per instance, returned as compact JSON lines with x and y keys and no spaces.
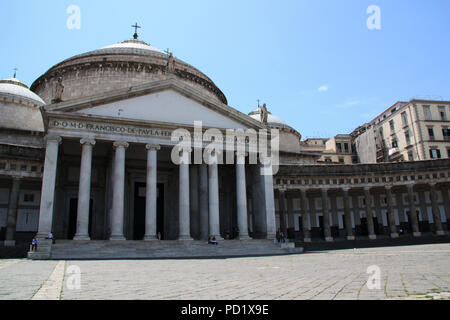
{"x":330,"y":203}
{"x":114,"y":178}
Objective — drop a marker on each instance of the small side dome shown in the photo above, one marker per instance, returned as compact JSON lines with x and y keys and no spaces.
{"x":271,"y":119}
{"x":16,"y":89}
{"x":20,"y":107}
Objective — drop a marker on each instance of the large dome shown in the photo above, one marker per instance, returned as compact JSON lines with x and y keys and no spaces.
{"x":117,"y":66}
{"x":20,"y":107}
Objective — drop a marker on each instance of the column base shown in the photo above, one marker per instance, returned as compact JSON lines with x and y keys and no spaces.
{"x":441,"y":233}
{"x":394,"y":235}
{"x":307,"y":240}
{"x":244,"y":237}
{"x":417,"y":234}
{"x":150,"y":238}
{"x":185,"y":238}
{"x":9,"y":243}
{"x":81,"y":238}
{"x":329,"y":239}
{"x":117,"y":238}
{"x":372,"y":236}
{"x":351,"y":238}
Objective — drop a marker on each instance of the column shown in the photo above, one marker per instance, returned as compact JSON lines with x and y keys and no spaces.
{"x":412,"y":211}
{"x":10,"y":237}
{"x":435,"y":209}
{"x":48,"y":186}
{"x":266,"y":171}
{"x":213,"y":183}
{"x":184,"y":209}
{"x":369,"y":214}
{"x":118,"y":191}
{"x":151,"y":193}
{"x":390,"y":212}
{"x":348,"y":215}
{"x":326,"y":216}
{"x":241,"y":194}
{"x":203,"y":201}
{"x":84,"y":190}
{"x":282,"y":211}
{"x":304,"y":211}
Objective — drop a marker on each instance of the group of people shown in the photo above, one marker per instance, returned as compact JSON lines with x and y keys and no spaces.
{"x":35,"y":242}
{"x":281,"y":238}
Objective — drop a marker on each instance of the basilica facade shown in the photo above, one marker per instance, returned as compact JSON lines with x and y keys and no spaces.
{"x":87,"y":153}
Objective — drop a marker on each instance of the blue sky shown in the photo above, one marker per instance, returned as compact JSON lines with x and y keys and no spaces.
{"x":314,"y":62}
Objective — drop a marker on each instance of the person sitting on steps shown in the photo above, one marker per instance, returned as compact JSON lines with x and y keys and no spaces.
{"x":213,"y":240}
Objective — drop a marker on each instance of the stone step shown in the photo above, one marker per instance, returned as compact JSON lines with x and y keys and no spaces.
{"x":166,"y":249}
{"x":43,"y":252}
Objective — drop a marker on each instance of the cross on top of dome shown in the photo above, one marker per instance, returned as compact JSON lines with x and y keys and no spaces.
{"x":136,"y":27}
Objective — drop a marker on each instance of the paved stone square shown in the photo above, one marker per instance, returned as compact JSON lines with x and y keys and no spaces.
{"x":408,"y":272}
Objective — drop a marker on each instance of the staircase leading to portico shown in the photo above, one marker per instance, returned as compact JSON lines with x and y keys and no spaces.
{"x":80,"y":250}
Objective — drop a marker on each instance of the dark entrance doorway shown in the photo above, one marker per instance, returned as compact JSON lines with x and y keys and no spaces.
{"x":139,"y":210}
{"x":321,"y":229}
{"x":73,"y":211}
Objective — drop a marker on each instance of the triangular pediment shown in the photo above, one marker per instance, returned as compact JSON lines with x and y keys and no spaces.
{"x":166,"y":102}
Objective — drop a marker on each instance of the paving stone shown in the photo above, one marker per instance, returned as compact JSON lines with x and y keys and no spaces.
{"x":415,"y":272}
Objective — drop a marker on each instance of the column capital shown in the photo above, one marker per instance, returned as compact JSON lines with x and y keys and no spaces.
{"x":52,"y":138}
{"x":87,"y":141}
{"x":388,"y":187}
{"x":345,"y":189}
{"x":366,"y":188}
{"x":118,"y":144}
{"x":303,"y":190}
{"x":153,"y":147}
{"x":410,"y":185}
{"x":241,"y":153}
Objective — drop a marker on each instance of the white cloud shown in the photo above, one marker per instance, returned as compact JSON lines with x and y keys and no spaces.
{"x":323,"y":88}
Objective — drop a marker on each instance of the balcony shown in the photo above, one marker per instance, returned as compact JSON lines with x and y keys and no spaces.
{"x":393,"y":151}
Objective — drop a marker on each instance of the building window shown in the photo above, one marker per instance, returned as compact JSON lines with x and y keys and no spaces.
{"x":410,"y":156}
{"x":394,"y":143}
{"x":327,"y":159}
{"x":427,"y":112}
{"x":448,"y":152}
{"x":407,"y":138}
{"x":431,"y":133}
{"x":28,"y":197}
{"x":446,"y":134}
{"x":392,"y":125}
{"x":341,"y":160}
{"x":404,"y":118}
{"x":2,"y":166}
{"x":346,"y":148}
{"x":442,"y":113}
{"x":339,"y":147}
{"x":435,"y":153}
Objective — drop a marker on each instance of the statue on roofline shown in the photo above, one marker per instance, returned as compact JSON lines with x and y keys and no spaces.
{"x":264,"y":114}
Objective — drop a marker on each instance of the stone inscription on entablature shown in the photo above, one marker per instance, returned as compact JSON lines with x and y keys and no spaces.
{"x":109,"y":128}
